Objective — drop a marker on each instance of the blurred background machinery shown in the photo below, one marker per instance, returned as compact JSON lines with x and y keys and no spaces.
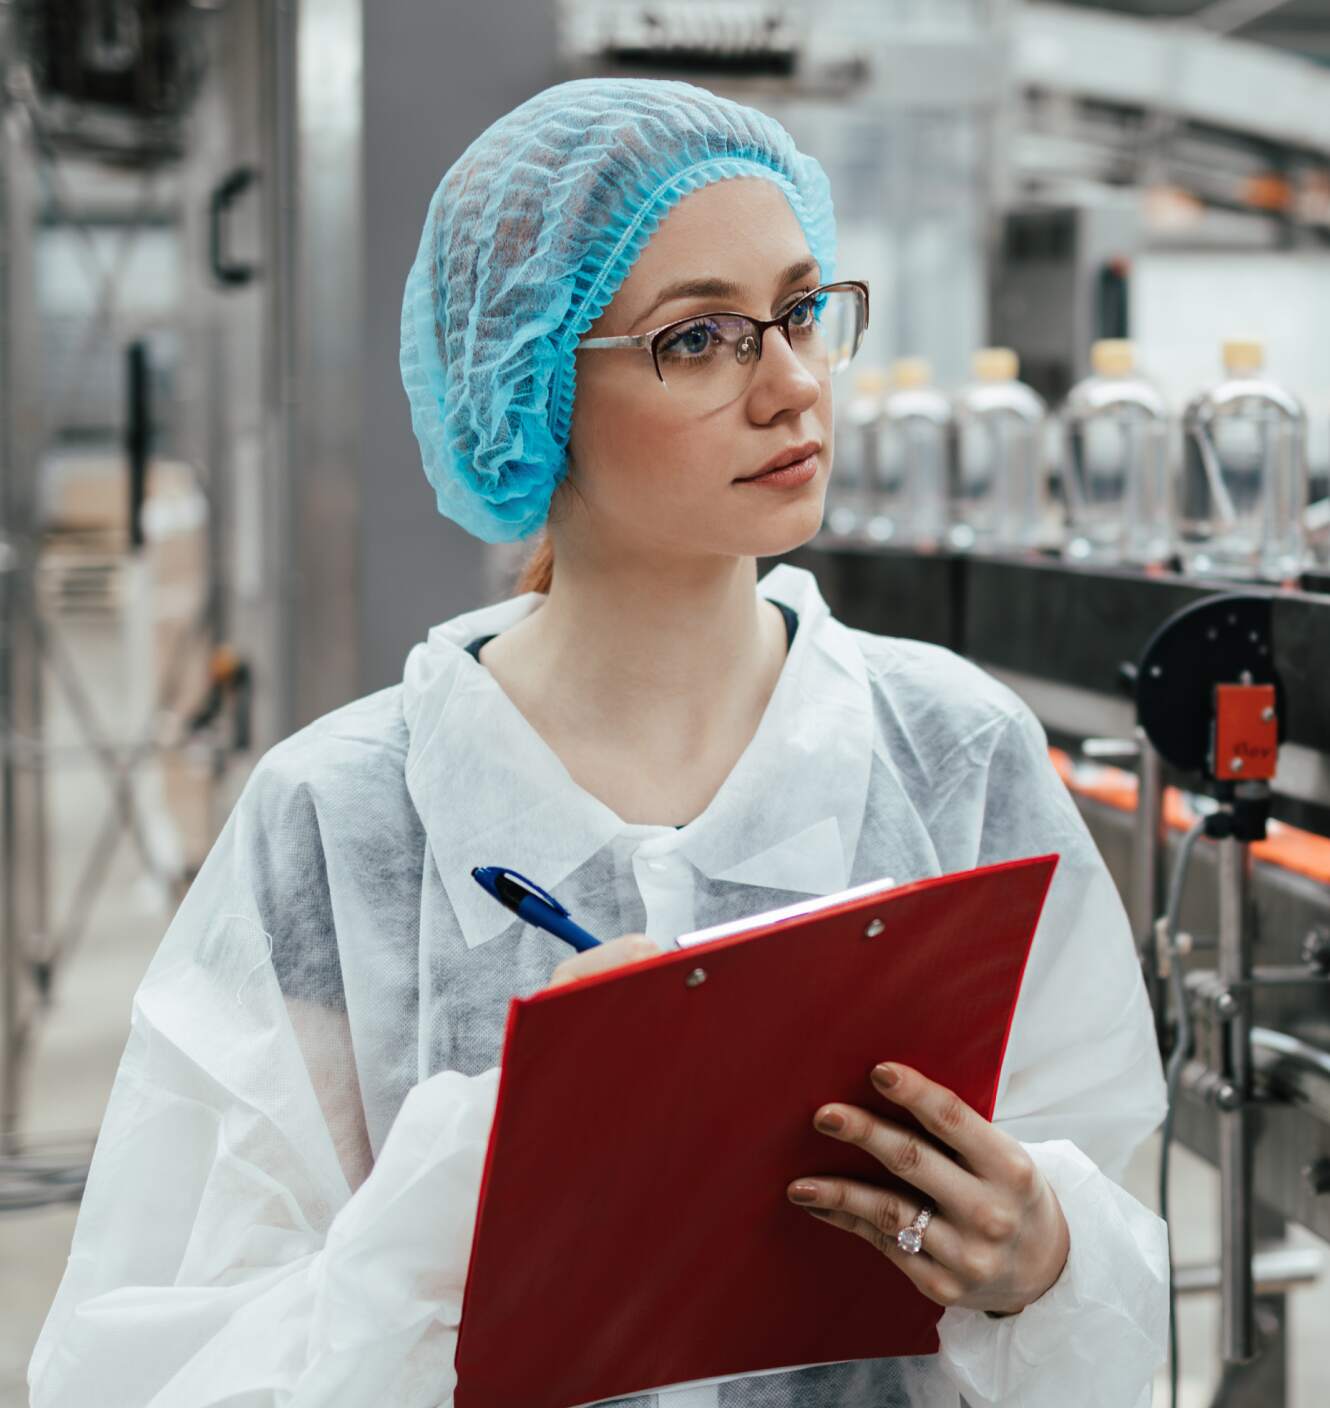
{"x":210,"y":511}
{"x":144,"y":494}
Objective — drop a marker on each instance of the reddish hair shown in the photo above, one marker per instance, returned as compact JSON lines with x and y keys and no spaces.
{"x":538,"y":570}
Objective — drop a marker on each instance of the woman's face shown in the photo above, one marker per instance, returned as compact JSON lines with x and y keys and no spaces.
{"x":649,"y":476}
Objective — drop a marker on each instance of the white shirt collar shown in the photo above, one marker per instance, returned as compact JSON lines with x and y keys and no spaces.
{"x":490,"y":791}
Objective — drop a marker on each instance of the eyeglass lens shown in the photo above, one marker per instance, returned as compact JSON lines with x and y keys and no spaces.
{"x":709,"y":360}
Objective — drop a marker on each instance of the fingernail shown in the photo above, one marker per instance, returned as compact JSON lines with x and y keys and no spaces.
{"x":803,"y":1193}
{"x":886,"y":1076}
{"x":832,"y":1122}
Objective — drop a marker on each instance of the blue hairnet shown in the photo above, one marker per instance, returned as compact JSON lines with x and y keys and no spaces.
{"x":528,"y":236}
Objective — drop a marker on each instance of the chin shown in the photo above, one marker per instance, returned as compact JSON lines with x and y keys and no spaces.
{"x":782,"y":528}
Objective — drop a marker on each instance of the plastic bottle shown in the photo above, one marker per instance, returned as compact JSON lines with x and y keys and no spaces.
{"x":996,"y":468}
{"x":1243,"y":490}
{"x":855,"y":465}
{"x":908,"y":503}
{"x":1115,"y":462}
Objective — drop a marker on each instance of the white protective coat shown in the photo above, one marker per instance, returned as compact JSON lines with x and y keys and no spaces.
{"x":280,"y":1206}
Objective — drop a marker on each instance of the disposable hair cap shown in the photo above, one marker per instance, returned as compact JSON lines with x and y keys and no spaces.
{"x":528,"y":236}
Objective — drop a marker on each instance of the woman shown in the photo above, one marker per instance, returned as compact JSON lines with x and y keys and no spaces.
{"x":281,"y":1203}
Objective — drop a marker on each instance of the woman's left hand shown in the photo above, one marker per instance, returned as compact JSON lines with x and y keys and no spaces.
{"x":997,"y":1239}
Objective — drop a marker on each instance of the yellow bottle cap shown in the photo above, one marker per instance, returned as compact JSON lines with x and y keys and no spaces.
{"x":910,"y":373}
{"x":1113,"y":356}
{"x":1243,"y":358}
{"x":870,"y":381}
{"x":996,"y":364}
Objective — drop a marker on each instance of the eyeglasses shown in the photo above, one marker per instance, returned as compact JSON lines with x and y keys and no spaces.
{"x":708,"y":360}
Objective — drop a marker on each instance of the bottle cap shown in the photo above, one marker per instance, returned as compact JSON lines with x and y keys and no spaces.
{"x":996,"y":364}
{"x":870,"y":381}
{"x":1113,"y":356}
{"x":909,"y":373}
{"x":1243,"y":358}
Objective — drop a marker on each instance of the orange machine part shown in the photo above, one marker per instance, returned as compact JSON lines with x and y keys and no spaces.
{"x":1246,"y":736}
{"x":1289,"y":847}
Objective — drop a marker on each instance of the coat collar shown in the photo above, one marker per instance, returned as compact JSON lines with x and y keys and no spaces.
{"x":490,"y":791}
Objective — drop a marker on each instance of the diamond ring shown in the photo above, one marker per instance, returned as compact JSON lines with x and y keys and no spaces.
{"x":911,"y":1239}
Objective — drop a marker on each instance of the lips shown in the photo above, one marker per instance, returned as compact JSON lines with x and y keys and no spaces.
{"x":793,"y":455}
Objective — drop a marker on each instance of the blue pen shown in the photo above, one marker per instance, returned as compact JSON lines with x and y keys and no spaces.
{"x":532,"y":904}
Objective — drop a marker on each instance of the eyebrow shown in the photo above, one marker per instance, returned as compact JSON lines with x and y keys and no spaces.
{"x":720,"y":288}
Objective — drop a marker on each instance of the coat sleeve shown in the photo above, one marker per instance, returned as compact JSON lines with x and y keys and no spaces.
{"x":1081,"y":1087}
{"x":237,"y":1244}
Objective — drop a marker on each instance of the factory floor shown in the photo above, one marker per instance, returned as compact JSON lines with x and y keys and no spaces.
{"x":79,"y":1042}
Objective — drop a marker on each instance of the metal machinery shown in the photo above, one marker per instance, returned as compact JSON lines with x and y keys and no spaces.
{"x":1149,"y":165}
{"x":1210,"y":703}
{"x":155,"y":320}
{"x":96,"y":347}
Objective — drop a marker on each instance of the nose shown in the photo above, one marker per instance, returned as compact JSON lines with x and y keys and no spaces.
{"x":781,"y":380}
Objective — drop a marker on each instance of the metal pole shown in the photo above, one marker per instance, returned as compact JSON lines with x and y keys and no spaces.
{"x":22,"y":812}
{"x":11,"y":931}
{"x":1237,"y":1333}
{"x":277,"y":98}
{"x":1145,"y":894}
{"x":9,"y":562}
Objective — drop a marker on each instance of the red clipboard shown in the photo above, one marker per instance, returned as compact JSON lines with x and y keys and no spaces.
{"x":633,"y":1229}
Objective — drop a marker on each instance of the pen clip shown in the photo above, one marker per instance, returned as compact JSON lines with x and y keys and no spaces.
{"x":511,"y":880}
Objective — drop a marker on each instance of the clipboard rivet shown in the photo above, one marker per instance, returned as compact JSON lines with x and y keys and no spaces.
{"x":875,"y":927}
{"x":696,"y":978}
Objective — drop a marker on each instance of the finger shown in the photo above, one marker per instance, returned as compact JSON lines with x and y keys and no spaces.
{"x":616,"y":953}
{"x":882,"y":1208}
{"x":904,"y":1153}
{"x":943,"y":1114}
{"x":627,"y":948}
{"x":933,"y":1279}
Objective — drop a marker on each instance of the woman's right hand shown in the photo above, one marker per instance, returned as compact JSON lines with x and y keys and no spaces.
{"x":627,"y":948}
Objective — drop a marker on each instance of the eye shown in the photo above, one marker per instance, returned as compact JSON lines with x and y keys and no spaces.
{"x":692,"y":342}
{"x":807,"y":312}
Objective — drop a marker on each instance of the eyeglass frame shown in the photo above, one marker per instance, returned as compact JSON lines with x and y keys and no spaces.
{"x":647,"y":341}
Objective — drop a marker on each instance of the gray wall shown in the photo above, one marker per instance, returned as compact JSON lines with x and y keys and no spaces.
{"x":435,"y":75}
